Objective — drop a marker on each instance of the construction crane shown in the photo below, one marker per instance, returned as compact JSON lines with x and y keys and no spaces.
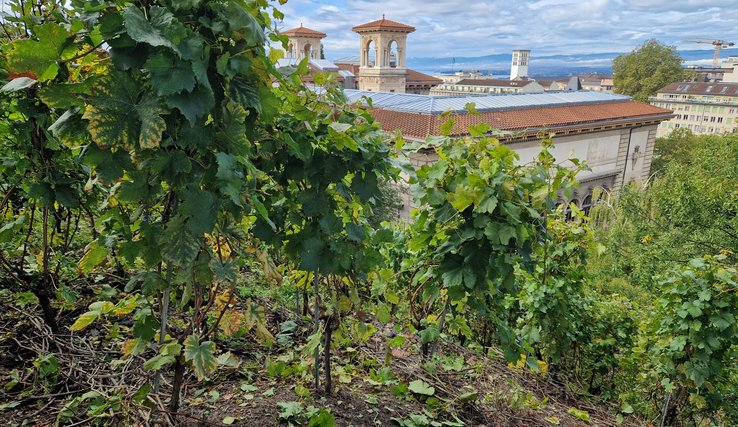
{"x":719,"y":44}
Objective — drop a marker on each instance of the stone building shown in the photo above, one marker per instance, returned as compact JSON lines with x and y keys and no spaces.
{"x":614,"y":135}
{"x":703,"y":108}
{"x":303,"y":42}
{"x":383,"y":50}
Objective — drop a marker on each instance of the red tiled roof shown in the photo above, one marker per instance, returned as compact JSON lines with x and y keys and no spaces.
{"x":424,"y":125}
{"x":718,"y":89}
{"x":495,"y":82}
{"x":418,"y":77}
{"x":303,"y":31}
{"x":384,"y":24}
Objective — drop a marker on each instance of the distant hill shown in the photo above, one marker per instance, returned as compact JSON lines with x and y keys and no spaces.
{"x":547,"y":65}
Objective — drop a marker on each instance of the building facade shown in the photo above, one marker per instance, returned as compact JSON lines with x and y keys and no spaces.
{"x":614,"y":135}
{"x":303,"y":43}
{"x":487,"y":86}
{"x":703,"y":108}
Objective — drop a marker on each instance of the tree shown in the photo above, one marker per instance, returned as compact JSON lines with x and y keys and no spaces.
{"x":678,"y":147}
{"x":647,"y":69}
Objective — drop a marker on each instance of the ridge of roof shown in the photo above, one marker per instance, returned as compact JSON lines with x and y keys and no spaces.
{"x":384,"y":24}
{"x":303,"y":31}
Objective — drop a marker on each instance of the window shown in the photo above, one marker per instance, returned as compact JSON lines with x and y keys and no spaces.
{"x":719,"y":119}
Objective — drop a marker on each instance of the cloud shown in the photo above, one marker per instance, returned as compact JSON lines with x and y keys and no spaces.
{"x":548,"y":27}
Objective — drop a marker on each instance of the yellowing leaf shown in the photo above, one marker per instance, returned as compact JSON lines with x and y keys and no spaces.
{"x":94,"y":255}
{"x":84,"y":320}
{"x":201,"y":355}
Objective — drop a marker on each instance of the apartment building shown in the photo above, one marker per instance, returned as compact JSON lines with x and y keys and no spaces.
{"x":703,"y":108}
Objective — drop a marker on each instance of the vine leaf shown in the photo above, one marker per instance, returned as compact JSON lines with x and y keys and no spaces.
{"x":95,"y":254}
{"x":170,"y":75}
{"x":17,"y":84}
{"x":39,"y":57}
{"x":96,"y":309}
{"x":157,"y":362}
{"x":421,"y":387}
{"x":121,"y":115}
{"x":178,"y":245}
{"x":201,"y":355}
{"x":159,"y":31}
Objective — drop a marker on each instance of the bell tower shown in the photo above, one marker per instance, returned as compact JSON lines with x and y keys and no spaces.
{"x":519,"y":66}
{"x":303,"y":42}
{"x":383,"y":48}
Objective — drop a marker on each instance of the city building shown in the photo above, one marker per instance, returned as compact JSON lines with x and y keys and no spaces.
{"x":731,"y":64}
{"x":304,"y":43}
{"x":612,"y":133}
{"x":461,"y":75}
{"x":703,"y":108}
{"x":487,"y":86}
{"x":597,"y":82}
{"x":382,"y":46}
{"x":415,"y":82}
{"x":564,"y":83}
{"x":519,"y":66}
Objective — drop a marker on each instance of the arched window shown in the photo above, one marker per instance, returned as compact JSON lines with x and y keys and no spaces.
{"x":394,"y":55}
{"x":587,"y":204}
{"x":308,"y":51}
{"x":371,"y":54}
{"x":291,"y":52}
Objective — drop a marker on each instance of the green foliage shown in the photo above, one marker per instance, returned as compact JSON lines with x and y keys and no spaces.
{"x":692,"y":339}
{"x":551,"y":298}
{"x":688,"y":210}
{"x":676,"y":148}
{"x":483,"y":216}
{"x":646,"y":69}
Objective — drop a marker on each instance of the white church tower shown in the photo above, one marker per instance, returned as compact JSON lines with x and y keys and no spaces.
{"x":520,"y":60}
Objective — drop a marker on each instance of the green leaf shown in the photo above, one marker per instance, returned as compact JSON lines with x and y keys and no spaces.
{"x":39,"y":57}
{"x":9,"y":405}
{"x":193,"y":105}
{"x":228,"y":420}
{"x":157,"y":362}
{"x":170,"y":75}
{"x":289,"y":410}
{"x":421,"y":387}
{"x":159,"y":31}
{"x":18,"y":83}
{"x":177,"y":244}
{"x":200,"y":207}
{"x":579,"y":414}
{"x":322,"y":418}
{"x":201,"y":355}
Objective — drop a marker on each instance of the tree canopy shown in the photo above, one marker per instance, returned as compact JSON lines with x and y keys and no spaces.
{"x":646,"y":69}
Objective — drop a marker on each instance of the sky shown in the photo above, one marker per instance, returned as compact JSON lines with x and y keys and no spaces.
{"x":547,"y":27}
